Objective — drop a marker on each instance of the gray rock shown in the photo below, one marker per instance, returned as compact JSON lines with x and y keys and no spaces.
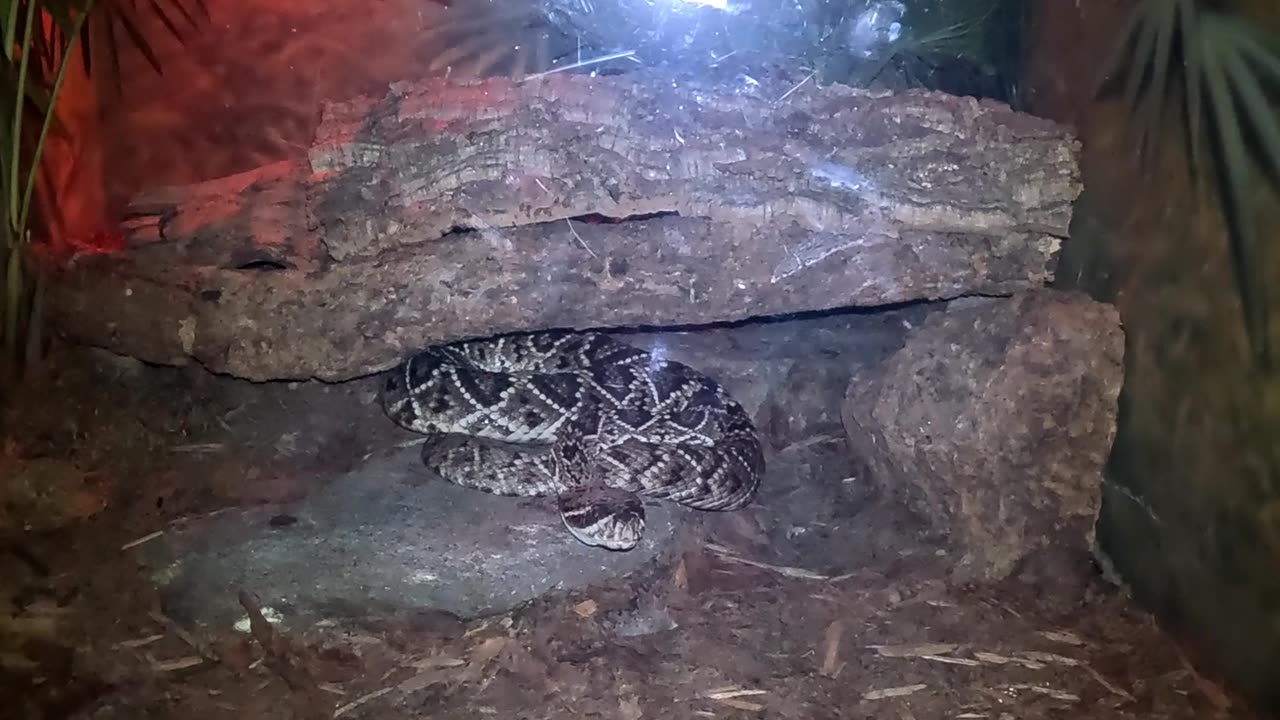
{"x":381,"y":537}
{"x":993,"y":422}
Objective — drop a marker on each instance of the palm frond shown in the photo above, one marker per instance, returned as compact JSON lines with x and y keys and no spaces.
{"x":1223,"y":71}
{"x":40,"y":36}
{"x":120,"y":22}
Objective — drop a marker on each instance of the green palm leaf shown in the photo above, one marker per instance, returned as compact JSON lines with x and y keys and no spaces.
{"x":1223,"y":70}
{"x":119,"y":21}
{"x":32,"y":69}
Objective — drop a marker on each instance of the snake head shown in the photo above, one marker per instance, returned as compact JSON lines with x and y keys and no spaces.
{"x":395,"y":398}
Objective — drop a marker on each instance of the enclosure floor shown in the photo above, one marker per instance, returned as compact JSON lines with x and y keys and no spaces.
{"x":735,"y":625}
{"x":713,"y":636}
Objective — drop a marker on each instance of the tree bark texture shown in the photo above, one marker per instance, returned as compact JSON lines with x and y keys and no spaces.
{"x":443,"y":211}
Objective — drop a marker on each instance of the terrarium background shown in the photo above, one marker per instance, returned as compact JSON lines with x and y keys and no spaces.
{"x":1192,"y":513}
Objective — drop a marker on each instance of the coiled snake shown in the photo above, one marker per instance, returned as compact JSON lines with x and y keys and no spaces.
{"x":580,"y":416}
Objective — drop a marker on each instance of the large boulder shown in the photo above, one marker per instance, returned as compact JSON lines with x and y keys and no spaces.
{"x":994,"y":422}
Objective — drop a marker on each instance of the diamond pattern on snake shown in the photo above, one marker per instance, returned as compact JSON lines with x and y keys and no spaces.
{"x":588,"y":419}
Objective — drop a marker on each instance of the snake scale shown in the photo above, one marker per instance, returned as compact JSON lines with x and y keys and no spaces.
{"x":593,"y":421}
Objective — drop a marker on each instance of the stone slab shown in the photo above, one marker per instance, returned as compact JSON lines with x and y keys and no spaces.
{"x":387,"y":536}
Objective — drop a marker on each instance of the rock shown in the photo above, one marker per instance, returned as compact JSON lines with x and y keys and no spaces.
{"x":384,"y":537}
{"x":444,"y":211}
{"x":994,"y":422}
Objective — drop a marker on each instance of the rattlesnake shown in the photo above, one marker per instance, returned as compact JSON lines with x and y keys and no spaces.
{"x":581,"y":416}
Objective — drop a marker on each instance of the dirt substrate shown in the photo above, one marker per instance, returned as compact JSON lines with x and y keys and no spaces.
{"x":849,"y":617}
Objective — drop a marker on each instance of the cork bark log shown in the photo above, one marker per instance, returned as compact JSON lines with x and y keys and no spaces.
{"x":443,"y":211}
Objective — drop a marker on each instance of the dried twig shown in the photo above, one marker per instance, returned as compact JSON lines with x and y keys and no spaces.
{"x":144,"y":539}
{"x":797,"y":86}
{"x":917,"y":650}
{"x":726,"y":554}
{"x":581,"y":242}
{"x":951,"y":660}
{"x":282,"y":658}
{"x":1051,"y":692}
{"x":730,"y":696}
{"x":201,"y":448}
{"x":997,"y":659}
{"x":893,"y":692}
{"x":360,"y":701}
{"x":831,"y":652}
{"x":182,"y":663}
{"x":1110,"y":686}
{"x":1049,"y":658}
{"x":582,"y":64}
{"x":179,"y":632}
{"x":140,"y":642}
{"x":1065,"y":637}
{"x":732,"y":692}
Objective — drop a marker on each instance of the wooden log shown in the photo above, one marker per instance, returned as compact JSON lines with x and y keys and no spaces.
{"x":447,"y":211}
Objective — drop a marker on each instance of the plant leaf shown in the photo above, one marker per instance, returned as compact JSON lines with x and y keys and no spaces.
{"x":1224,"y":67}
{"x":1122,"y":55}
{"x":1234,"y":167}
{"x":1143,"y":41}
{"x":1194,"y":104}
{"x":164,"y":19}
{"x":139,"y":41}
{"x":1165,"y":30}
{"x":1258,"y":112}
